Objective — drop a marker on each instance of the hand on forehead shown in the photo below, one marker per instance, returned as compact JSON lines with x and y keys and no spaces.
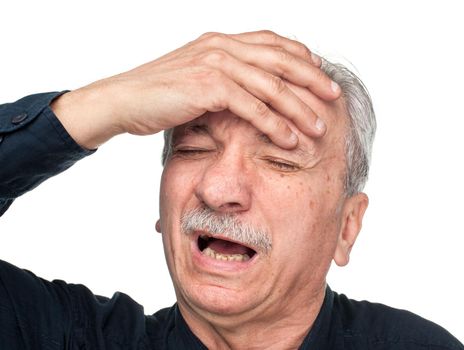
{"x":333,"y":113}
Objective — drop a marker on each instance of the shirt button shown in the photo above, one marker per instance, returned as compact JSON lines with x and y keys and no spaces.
{"x":1,"y":138}
{"x":19,"y":118}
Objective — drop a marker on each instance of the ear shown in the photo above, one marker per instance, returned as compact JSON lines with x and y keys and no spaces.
{"x":158,"y":226}
{"x":352,"y":216}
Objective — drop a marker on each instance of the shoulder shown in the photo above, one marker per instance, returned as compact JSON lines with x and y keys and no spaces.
{"x":40,"y":312}
{"x":384,"y":327}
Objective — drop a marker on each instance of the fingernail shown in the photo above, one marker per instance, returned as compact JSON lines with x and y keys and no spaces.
{"x":293,"y":138}
{"x":316,"y":59}
{"x":335,"y":87}
{"x":320,"y":125}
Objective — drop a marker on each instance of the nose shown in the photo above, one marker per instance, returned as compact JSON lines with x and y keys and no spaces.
{"x":225,"y":186}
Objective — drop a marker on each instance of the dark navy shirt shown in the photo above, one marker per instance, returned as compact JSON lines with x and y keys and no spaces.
{"x":38,"y":314}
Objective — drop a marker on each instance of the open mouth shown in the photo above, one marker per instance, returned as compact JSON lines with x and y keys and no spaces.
{"x":223,"y":249}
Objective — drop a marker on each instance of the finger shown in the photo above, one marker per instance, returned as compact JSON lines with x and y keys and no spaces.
{"x":282,"y":63}
{"x":288,"y":67}
{"x":271,"y":90}
{"x":266,"y":37}
{"x":256,"y":112}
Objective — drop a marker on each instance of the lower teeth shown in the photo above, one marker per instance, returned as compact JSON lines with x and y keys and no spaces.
{"x":227,"y":257}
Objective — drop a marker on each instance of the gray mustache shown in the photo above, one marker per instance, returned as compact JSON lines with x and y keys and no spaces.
{"x":227,"y":225}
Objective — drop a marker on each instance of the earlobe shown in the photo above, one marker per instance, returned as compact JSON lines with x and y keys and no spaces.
{"x":158,"y":226}
{"x":352,"y":216}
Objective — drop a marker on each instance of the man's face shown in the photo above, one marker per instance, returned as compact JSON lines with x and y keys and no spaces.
{"x":295,"y":198}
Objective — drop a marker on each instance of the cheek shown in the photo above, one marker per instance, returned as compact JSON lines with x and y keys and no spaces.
{"x":303,"y":215}
{"x":175,"y":188}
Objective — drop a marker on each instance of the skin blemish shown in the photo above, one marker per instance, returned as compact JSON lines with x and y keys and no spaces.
{"x":282,"y":175}
{"x":311,"y":204}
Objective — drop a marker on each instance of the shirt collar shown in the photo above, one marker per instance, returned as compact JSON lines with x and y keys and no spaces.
{"x":323,"y":334}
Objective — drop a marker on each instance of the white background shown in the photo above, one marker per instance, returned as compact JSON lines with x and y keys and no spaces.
{"x":95,"y":223}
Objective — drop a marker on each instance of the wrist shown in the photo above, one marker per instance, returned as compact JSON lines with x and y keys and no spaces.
{"x":87,"y":115}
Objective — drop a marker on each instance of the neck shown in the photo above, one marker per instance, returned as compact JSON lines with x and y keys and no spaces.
{"x":264,"y":327}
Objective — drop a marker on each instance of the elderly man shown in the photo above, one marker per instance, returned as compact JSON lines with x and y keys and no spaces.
{"x":264,"y":164}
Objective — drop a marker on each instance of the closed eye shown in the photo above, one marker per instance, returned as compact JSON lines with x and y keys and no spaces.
{"x":190,"y":152}
{"x":282,"y":165}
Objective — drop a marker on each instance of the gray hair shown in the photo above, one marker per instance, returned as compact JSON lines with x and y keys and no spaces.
{"x":361,"y":129}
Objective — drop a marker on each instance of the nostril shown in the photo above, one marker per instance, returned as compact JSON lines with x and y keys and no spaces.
{"x":231,"y":206}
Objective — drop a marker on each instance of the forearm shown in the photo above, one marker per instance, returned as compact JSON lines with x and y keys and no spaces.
{"x":34,"y":146}
{"x":89,"y":114}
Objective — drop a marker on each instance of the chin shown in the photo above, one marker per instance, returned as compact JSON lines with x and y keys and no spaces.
{"x":221,"y":300}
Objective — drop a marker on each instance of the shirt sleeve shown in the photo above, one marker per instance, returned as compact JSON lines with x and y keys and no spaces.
{"x":34,"y":146}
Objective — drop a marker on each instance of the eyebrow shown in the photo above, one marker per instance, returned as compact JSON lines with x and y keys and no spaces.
{"x":200,"y":129}
{"x":191,"y":129}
